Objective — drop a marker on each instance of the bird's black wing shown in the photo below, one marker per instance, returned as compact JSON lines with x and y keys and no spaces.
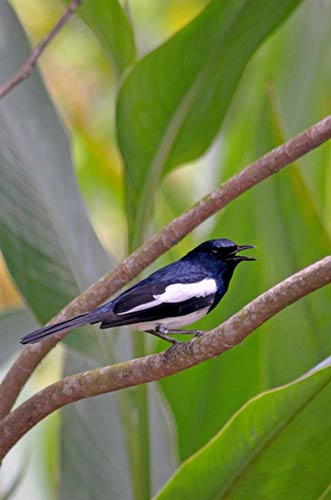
{"x":170,"y":292}
{"x":138,"y":297}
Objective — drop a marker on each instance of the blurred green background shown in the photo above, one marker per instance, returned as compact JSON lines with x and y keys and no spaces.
{"x":284,"y":89}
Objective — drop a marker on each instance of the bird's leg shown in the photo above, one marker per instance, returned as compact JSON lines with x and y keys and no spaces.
{"x":196,"y":333}
{"x":161,"y":332}
{"x":163,"y":336}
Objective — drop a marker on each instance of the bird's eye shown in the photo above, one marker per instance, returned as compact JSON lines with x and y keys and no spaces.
{"x":214,"y":251}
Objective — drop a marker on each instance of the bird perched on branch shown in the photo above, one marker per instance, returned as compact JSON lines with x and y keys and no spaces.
{"x":170,"y":298}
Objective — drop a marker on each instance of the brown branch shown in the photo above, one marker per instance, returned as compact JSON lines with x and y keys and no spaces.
{"x":156,"y":366}
{"x":266,"y":166}
{"x":30,"y":63}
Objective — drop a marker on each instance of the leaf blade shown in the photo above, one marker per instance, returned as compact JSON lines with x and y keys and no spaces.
{"x":111,"y":26}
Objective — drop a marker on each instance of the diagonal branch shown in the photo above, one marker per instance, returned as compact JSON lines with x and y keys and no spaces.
{"x":154,"y":367}
{"x":30,"y":63}
{"x":269,"y":164}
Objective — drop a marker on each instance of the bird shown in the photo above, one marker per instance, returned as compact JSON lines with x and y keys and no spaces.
{"x":174,"y":296}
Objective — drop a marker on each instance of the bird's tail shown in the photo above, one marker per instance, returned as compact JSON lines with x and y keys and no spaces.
{"x":69,"y":324}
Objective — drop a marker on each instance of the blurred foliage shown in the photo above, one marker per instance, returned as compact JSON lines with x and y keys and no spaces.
{"x":54,"y":254}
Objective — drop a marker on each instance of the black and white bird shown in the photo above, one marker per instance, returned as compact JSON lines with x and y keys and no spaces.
{"x":172,"y":297}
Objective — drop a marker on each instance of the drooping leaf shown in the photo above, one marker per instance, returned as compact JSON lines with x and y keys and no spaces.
{"x":110,"y":24}
{"x":172,"y":103}
{"x":266,"y":449}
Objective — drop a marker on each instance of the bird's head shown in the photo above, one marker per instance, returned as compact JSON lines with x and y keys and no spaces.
{"x":222,"y":250}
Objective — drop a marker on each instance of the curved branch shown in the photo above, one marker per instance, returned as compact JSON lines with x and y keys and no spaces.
{"x":97,"y":293}
{"x":156,"y":366}
{"x":30,"y":63}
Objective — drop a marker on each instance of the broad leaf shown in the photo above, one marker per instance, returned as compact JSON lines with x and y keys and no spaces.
{"x":266,"y":449}
{"x":172,"y":104}
{"x":50,"y":247}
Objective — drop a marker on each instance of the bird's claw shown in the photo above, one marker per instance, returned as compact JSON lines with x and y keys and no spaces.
{"x":175,"y":345}
{"x":172,"y":348}
{"x":199,"y":333}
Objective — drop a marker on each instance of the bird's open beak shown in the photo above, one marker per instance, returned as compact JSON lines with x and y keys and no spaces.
{"x":239,"y":258}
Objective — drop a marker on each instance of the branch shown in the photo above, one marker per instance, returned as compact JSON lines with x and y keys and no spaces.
{"x":97,"y":293}
{"x":154,"y":367}
{"x":30,"y":63}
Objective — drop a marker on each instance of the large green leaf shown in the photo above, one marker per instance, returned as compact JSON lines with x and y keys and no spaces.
{"x":172,"y":103}
{"x":53,"y":254}
{"x":113,"y":30}
{"x":276,"y":446}
{"x":13,"y":324}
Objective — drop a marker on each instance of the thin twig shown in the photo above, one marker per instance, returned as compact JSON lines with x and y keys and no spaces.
{"x":30,"y":63}
{"x":269,"y":164}
{"x":156,"y":366}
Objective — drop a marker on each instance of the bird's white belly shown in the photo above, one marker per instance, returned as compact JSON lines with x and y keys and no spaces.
{"x":175,"y":322}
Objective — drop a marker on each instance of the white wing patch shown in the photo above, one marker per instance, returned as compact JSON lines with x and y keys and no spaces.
{"x":179,"y":293}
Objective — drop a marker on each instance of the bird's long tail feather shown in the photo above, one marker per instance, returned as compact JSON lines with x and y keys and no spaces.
{"x":69,"y":324}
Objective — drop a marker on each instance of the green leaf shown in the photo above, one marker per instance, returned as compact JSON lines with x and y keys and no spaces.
{"x":266,"y":450}
{"x":13,"y":325}
{"x":172,"y":104}
{"x":53,"y":254}
{"x":113,"y":30}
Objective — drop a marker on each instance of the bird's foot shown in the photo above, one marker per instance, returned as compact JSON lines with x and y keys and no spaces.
{"x":199,"y":333}
{"x":172,"y":349}
{"x":162,"y":332}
